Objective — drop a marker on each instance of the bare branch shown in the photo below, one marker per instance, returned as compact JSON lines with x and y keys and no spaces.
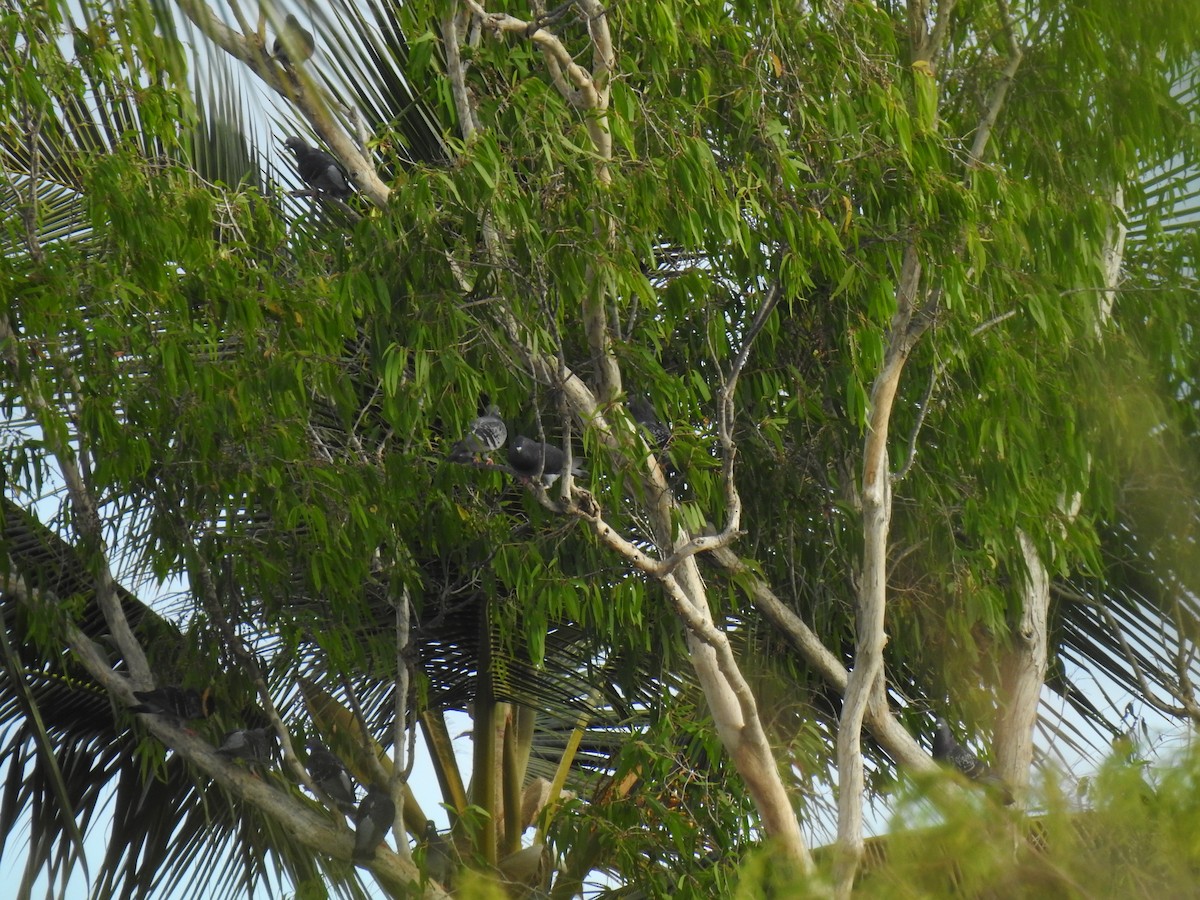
{"x":866,"y":679}
{"x":457,"y":72}
{"x":931,"y":44}
{"x":996,"y":101}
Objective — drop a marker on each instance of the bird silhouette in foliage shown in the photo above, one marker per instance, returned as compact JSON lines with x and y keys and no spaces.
{"x":177,"y":705}
{"x":257,"y":747}
{"x":294,"y":43}
{"x":319,"y":170}
{"x":948,"y":750}
{"x":530,"y":458}
{"x":372,"y":822}
{"x":330,"y":775}
{"x":486,"y":435}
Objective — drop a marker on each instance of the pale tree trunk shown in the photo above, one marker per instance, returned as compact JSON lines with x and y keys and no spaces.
{"x":864,"y":688}
{"x":1022,"y":665}
{"x":1022,"y":673}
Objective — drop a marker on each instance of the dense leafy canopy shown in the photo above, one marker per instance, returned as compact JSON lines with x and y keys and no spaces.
{"x":218,"y":383}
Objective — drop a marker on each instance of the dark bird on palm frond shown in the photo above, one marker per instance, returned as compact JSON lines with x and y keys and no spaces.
{"x":176,"y":704}
{"x":486,"y":435}
{"x":294,"y":43}
{"x":318,"y":169}
{"x":254,"y":746}
{"x":947,"y":749}
{"x":529,"y":458}
{"x":330,"y":775}
{"x":372,"y":822}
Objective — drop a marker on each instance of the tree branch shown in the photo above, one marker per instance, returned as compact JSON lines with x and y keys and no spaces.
{"x":86,"y":518}
{"x":996,"y":101}
{"x":866,"y":679}
{"x":457,"y":73}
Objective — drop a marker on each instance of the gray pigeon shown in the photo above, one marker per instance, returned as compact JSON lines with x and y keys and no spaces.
{"x":175,"y":704}
{"x":330,"y":775}
{"x":486,"y":434}
{"x":318,"y":169}
{"x":254,"y":746}
{"x":439,"y":855}
{"x":644,"y":415}
{"x":947,"y":749}
{"x":529,"y":457}
{"x":294,"y":43}
{"x":372,"y":822}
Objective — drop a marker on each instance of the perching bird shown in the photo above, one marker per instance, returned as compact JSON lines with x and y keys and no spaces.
{"x":175,"y":704}
{"x":318,"y":169}
{"x":644,"y":415}
{"x":527,"y":457}
{"x":330,"y":775}
{"x":255,"y":746}
{"x":439,"y":855}
{"x":486,"y":434}
{"x":294,"y":43}
{"x":372,"y":822}
{"x":947,"y":749}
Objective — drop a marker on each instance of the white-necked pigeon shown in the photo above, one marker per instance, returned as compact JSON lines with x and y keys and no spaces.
{"x":529,"y":457}
{"x":372,"y":822}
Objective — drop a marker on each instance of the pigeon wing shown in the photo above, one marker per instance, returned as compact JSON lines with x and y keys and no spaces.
{"x":490,"y":430}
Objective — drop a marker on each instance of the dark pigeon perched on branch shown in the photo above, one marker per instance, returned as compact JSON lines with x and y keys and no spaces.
{"x":486,"y":434}
{"x":947,"y":749}
{"x":644,"y":415}
{"x":657,"y":434}
{"x":254,"y":746}
{"x":177,"y":705}
{"x":294,"y":43}
{"x":318,"y":169}
{"x":439,"y":855}
{"x":330,"y":775}
{"x":372,"y":822}
{"x":529,"y":457}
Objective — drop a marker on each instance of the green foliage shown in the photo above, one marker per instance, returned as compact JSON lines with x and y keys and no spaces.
{"x":266,"y":389}
{"x":1129,"y":834}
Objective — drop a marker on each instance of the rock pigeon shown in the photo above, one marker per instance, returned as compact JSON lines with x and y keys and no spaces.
{"x":372,"y":822}
{"x":175,"y":704}
{"x":439,"y":855}
{"x":528,"y":457}
{"x":318,"y":169}
{"x":644,"y":415}
{"x":947,"y":749}
{"x":255,"y":746}
{"x":486,"y":434}
{"x":330,"y":775}
{"x":294,"y":43}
